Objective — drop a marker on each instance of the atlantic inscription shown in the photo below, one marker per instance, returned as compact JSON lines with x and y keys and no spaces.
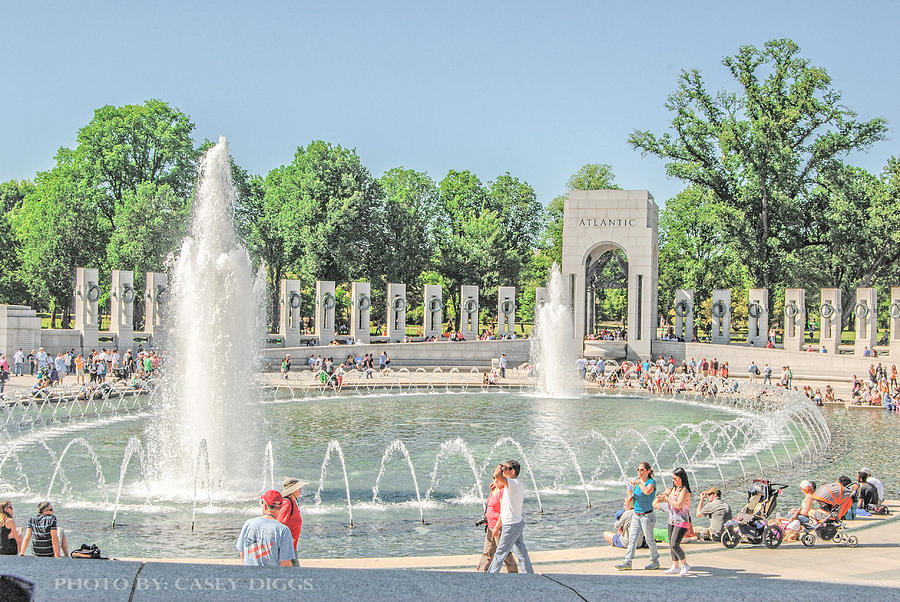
{"x":606,"y":222}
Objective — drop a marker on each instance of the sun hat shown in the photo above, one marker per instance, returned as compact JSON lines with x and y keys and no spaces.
{"x":715,"y":490}
{"x":805,"y":485}
{"x":290,"y":485}
{"x":272,"y":498}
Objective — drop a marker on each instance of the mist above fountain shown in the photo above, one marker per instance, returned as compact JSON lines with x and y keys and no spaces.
{"x":553,"y":342}
{"x":214,"y":332}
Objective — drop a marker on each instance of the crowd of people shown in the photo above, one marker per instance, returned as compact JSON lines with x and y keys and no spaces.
{"x":91,"y":370}
{"x":880,"y":388}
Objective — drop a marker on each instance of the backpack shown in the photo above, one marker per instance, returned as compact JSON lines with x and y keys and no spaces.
{"x":88,"y":551}
{"x":878,"y":509}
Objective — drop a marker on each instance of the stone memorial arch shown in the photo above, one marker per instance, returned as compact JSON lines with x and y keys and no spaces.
{"x":597,"y":222}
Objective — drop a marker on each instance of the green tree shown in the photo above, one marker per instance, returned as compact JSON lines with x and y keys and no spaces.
{"x":58,"y":229}
{"x":151,"y":221}
{"x":695,"y":251}
{"x":763,"y":150}
{"x":12,"y":287}
{"x":593,"y":176}
{"x":124,"y":146}
{"x":410,"y":200}
{"x":322,"y":217}
{"x":485,"y":233}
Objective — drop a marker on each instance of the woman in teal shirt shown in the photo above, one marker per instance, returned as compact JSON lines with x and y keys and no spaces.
{"x":644,"y":494}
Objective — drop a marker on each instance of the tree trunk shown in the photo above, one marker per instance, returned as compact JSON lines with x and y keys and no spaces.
{"x":52,"y":315}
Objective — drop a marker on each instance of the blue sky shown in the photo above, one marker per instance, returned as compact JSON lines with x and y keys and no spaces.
{"x":534,"y":88}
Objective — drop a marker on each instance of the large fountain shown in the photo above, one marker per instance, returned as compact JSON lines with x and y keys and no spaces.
{"x":208,"y":399}
{"x":553,"y":343}
{"x":406,"y":467}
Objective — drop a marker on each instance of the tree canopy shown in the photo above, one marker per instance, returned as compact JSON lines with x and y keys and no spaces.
{"x":763,"y":150}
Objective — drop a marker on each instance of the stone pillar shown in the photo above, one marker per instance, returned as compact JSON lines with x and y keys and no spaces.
{"x":468,"y":311}
{"x":506,"y":310}
{"x":794,"y":318}
{"x":433,"y":310}
{"x":684,"y":314}
{"x":758,"y":317}
{"x":360,"y":293}
{"x":87,"y":311}
{"x":20,"y":328}
{"x":396,"y":312}
{"x":290,"y":325}
{"x":894,"y":312}
{"x":121,"y":302}
{"x":865,"y":313}
{"x":721,"y":316}
{"x":155,"y":297}
{"x":830,"y":314}
{"x":325,"y":311}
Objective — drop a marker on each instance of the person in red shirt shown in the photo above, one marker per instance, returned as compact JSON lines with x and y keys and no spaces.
{"x":289,"y":515}
{"x":492,"y":514}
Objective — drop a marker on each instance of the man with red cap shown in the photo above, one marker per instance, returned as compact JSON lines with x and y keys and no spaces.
{"x":263,"y":540}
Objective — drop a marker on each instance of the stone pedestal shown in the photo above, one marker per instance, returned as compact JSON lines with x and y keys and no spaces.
{"x":684,"y":314}
{"x":155,"y":297}
{"x":794,"y":318}
{"x":721,"y":316}
{"x":396,"y":312}
{"x":865,"y":313}
{"x":758,"y":317}
{"x":830,"y":315}
{"x":894,"y":312}
{"x":433,"y":310}
{"x":360,"y":294}
{"x":506,"y":310}
{"x":325,"y":311}
{"x":468,"y":311}
{"x":20,"y":328}
{"x":121,"y":302}
{"x":87,"y":313}
{"x":290,"y":324}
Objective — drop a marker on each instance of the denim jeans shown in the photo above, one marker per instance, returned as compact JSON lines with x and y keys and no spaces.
{"x":510,"y":536}
{"x":20,"y":369}
{"x":642,"y":523}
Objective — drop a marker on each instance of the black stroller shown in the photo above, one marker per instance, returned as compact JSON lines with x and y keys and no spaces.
{"x":752,"y":525}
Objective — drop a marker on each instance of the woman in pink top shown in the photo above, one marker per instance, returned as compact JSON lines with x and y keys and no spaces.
{"x":677,"y":499}
{"x":492,"y":515}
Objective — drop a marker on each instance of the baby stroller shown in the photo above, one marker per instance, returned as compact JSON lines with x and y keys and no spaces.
{"x":837,"y":500}
{"x":752,"y":523}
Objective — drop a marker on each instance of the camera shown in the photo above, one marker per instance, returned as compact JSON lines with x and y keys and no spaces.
{"x":481,"y":521}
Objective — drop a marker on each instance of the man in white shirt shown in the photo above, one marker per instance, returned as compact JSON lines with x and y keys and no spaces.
{"x":512,"y":522}
{"x":19,"y":362}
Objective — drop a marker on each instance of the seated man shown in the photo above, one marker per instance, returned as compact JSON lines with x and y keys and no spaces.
{"x":719,"y":512}
{"x":868,"y":494}
{"x":619,"y":537}
{"x":879,"y":486}
{"x":49,"y":540}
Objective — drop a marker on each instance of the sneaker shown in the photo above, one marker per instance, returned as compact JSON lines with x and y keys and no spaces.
{"x":684,"y":570}
{"x":673,"y":570}
{"x":625,"y":566}
{"x":654,"y":564}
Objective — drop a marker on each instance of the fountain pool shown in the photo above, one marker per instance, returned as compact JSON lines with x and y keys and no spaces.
{"x":410,"y":470}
